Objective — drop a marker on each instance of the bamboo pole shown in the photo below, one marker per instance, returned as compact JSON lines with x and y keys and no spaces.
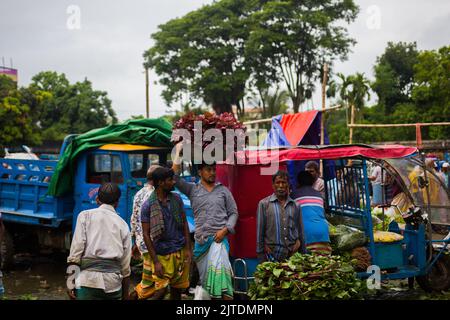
{"x":352,"y":123}
{"x":322,"y":120}
{"x":322,"y":116}
{"x":147,"y":100}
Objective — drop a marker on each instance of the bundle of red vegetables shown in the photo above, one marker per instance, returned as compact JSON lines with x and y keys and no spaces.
{"x":208,"y":121}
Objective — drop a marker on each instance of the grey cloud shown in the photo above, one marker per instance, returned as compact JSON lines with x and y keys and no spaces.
{"x":114,"y":34}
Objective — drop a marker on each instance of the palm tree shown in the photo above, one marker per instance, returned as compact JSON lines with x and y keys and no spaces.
{"x":271,"y":104}
{"x":354,"y":89}
{"x":276,"y":103}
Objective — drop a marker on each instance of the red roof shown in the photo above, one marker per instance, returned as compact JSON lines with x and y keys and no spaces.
{"x":250,"y":157}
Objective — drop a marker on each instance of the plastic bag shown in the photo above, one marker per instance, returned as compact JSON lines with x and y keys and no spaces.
{"x":351,"y":240}
{"x":201,"y":294}
{"x":345,"y":238}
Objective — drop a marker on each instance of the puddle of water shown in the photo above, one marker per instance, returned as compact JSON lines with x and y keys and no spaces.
{"x":43,"y":278}
{"x":34,"y":278}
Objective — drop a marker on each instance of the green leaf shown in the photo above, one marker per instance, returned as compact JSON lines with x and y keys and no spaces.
{"x":277,"y":272}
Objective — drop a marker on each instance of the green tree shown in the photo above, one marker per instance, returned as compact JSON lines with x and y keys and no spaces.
{"x":59,"y":108}
{"x":273,"y":104}
{"x":354,"y":89}
{"x":336,"y":124}
{"x":15,"y":121}
{"x":394,"y":75}
{"x":7,"y":86}
{"x":218,"y":51}
{"x":291,"y":40}
{"x":431,"y":92}
{"x":202,"y":54}
{"x":403,"y":98}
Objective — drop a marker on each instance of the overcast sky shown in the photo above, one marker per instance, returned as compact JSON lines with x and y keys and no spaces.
{"x":113,"y":34}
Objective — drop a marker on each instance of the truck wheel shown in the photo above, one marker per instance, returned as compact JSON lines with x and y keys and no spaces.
{"x":438,"y":279}
{"x":6,"y":251}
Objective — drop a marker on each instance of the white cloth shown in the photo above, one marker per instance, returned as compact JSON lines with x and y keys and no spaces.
{"x":101,"y":233}
{"x":215,"y":260}
{"x":135,"y":221}
{"x":376,"y":172}
{"x":319,"y":185}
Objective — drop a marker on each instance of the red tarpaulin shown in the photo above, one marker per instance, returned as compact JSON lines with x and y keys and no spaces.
{"x":296,"y":125}
{"x":251,"y":157}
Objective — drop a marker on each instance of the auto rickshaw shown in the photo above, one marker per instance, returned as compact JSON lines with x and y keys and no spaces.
{"x":419,"y":255}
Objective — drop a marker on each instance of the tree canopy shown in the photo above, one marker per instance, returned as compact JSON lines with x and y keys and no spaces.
{"x":222,"y":51}
{"x":394,"y":73}
{"x":15,"y":119}
{"x":50,"y":108}
{"x":201,"y":54}
{"x":412,"y":86}
{"x":291,"y":40}
{"x":69,"y":108}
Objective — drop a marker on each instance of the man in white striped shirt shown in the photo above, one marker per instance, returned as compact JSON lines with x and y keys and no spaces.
{"x":101,"y":246}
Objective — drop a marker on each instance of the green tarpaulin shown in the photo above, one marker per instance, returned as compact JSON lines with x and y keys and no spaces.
{"x":152,"y":132}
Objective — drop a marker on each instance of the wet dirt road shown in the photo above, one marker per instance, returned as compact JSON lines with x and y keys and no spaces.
{"x":34,"y":278}
{"x":43,"y":277}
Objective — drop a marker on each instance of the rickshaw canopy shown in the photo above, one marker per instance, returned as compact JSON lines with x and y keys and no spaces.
{"x":328,"y":152}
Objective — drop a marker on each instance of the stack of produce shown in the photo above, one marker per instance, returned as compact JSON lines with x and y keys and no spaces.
{"x":306,"y":277}
{"x":384,"y":236}
{"x":350,"y":242}
{"x":390,"y":214}
{"x":209,"y":120}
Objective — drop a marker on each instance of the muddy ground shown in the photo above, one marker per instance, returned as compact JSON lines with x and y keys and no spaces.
{"x":43,"y":278}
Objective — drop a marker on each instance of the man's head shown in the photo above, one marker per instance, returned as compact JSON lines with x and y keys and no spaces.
{"x":150,"y":171}
{"x":109,"y":193}
{"x":445,"y":167}
{"x":313,"y":168}
{"x":163,"y":179}
{"x":280,"y":184}
{"x":207,"y":172}
{"x":339,"y":173}
{"x":305,"y":179}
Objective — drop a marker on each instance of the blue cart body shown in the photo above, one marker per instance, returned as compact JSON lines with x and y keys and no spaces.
{"x":411,"y":257}
{"x":24,"y":186}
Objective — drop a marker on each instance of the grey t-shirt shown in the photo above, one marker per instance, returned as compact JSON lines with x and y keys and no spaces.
{"x":212,"y":210}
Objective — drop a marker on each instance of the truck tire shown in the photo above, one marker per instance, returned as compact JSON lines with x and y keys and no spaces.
{"x":6,"y":251}
{"x":438,"y":279}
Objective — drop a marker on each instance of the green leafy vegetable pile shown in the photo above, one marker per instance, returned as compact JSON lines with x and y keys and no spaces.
{"x":306,"y":277}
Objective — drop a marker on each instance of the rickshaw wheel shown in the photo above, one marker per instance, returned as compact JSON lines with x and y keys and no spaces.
{"x":438,"y":279}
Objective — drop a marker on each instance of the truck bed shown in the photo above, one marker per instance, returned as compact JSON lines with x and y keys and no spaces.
{"x":23,"y":189}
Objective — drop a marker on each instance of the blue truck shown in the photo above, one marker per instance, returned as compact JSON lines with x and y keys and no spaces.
{"x":35,"y":220}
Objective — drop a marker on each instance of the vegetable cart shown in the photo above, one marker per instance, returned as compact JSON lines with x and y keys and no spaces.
{"x":415,"y":255}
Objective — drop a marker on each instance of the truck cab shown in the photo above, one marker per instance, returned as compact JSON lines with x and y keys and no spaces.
{"x":123,"y":164}
{"x":30,"y":213}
